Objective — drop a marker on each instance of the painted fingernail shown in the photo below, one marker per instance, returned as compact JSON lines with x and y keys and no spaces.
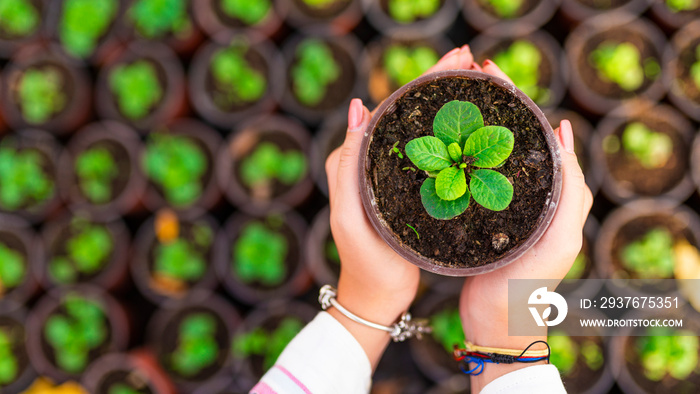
{"x":465,"y":46}
{"x":355,"y":114}
{"x":477,"y":67}
{"x":488,"y":62}
{"x":450,"y":53}
{"x":566,"y":135}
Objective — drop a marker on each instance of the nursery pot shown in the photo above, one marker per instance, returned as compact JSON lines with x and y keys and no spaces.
{"x":128,"y":369}
{"x":211,"y":17}
{"x":13,"y":322}
{"x":378,"y":15}
{"x":10,"y":43}
{"x":680,"y":56}
{"x":17,"y":235}
{"x":583,"y":287}
{"x":341,"y":16}
{"x":621,"y":10}
{"x":322,"y":269}
{"x":673,"y":19}
{"x":495,"y":98}
{"x":330,"y":135}
{"x":530,"y":16}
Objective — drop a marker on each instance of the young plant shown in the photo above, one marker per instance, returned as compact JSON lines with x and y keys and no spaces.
{"x":72,"y":334}
{"x":13,"y":269}
{"x":121,"y":388}
{"x":251,"y":12}
{"x":96,"y":169}
{"x":84,"y":22}
{"x":9,"y":365}
{"x":314,"y":70}
{"x":505,"y":9}
{"x":23,"y":182}
{"x":621,"y":63}
{"x":462,"y":146}
{"x":668,"y":352}
{"x":592,"y":355}
{"x":407,"y":11}
{"x":682,"y":5}
{"x":521,"y":62}
{"x":18,"y":18}
{"x":87,"y":251}
{"x":320,"y":4}
{"x":41,"y":94}
{"x":651,"y":149}
{"x":447,"y":329}
{"x":259,"y":254}
{"x":136,"y":87}
{"x":267,"y":163}
{"x":269,"y":345}
{"x":197,"y":348}
{"x":237,"y":81}
{"x":156,"y":18}
{"x":650,"y":257}
{"x":182,"y":260}
{"x":404,"y":64}
{"x":695,"y":68}
{"x":177,"y":164}
{"x":564,"y":352}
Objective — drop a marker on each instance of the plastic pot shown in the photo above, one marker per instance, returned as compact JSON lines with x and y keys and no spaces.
{"x":323,"y":269}
{"x":211,"y":18}
{"x":695,"y":162}
{"x":621,"y":10}
{"x":583,"y":287}
{"x":13,"y":322}
{"x":368,"y":192}
{"x":680,"y":56}
{"x":378,"y":15}
{"x":261,"y":55}
{"x":330,"y":136}
{"x":339,"y":17}
{"x":673,"y":19}
{"x":17,"y":235}
{"x":10,"y":43}
{"x":530,"y":17}
{"x":131,"y":370}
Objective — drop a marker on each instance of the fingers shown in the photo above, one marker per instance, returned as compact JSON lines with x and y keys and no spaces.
{"x":456,"y":59}
{"x":490,"y":67}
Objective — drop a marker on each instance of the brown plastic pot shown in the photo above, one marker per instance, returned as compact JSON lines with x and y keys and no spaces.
{"x":330,"y":136}
{"x":322,"y":270}
{"x":130,"y":369}
{"x":429,"y":264}
{"x":276,"y":129}
{"x":662,"y":119}
{"x":623,"y":11}
{"x":213,"y":20}
{"x":584,"y":287}
{"x":8,"y":45}
{"x":586,"y":38}
{"x":695,"y":162}
{"x":13,"y":320}
{"x":226,"y":385}
{"x":261,"y":54}
{"x":482,"y":19}
{"x":340,"y":17}
{"x":679,"y":57}
{"x":17,"y":234}
{"x":170,"y":75}
{"x":670,"y":19}
{"x":38,"y":346}
{"x":297,"y":279}
{"x":378,"y":16}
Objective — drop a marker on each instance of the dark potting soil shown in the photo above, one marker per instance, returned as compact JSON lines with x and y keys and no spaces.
{"x":603,"y":4}
{"x":527,"y":6}
{"x":169,"y":343}
{"x":255,"y":61}
{"x":67,"y":85}
{"x":14,"y":243}
{"x":121,"y":159}
{"x":327,"y":12}
{"x":384,"y":4}
{"x":59,"y":248}
{"x":162,"y":82}
{"x":629,"y":173}
{"x":467,"y":240}
{"x":582,"y":377}
{"x":545,"y":70}
{"x":130,"y":378}
{"x":616,"y":35}
{"x":690,"y":385}
{"x":18,"y":337}
{"x":686,"y":59}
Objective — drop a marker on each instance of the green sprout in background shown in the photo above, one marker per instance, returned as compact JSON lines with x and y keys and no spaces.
{"x":578,"y":268}
{"x":314,"y":71}
{"x":157,"y":18}
{"x":177,"y":164}
{"x":13,"y":269}
{"x":18,"y":18}
{"x":404,"y":64}
{"x":84,"y":22}
{"x":23,"y":182}
{"x":407,"y":11}
{"x":682,"y":5}
{"x":521,"y":62}
{"x":74,"y":334}
{"x":237,"y":81}
{"x":121,"y":388}
{"x":505,"y":9}
{"x":650,"y":257}
{"x":462,"y":145}
{"x":320,"y":4}
{"x":268,"y":163}
{"x":592,"y":355}
{"x":136,"y":87}
{"x":447,"y":329}
{"x":668,"y":352}
{"x":260,"y":254}
{"x":197,"y":348}
{"x":652,"y":149}
{"x":268,"y":344}
{"x":564,"y":352}
{"x":41,"y":94}
{"x":87,"y":251}
{"x":96,"y":169}
{"x":622,"y":64}
{"x":251,"y":12}
{"x":183,"y":260}
{"x":331,"y":252}
{"x":695,"y":68}
{"x":9,"y":366}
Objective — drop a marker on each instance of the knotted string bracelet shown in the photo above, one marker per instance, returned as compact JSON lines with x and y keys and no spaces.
{"x":480,"y":355}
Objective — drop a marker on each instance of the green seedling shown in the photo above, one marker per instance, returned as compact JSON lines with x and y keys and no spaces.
{"x":268,"y":163}
{"x":462,"y":146}
{"x":505,"y":9}
{"x":41,"y":94}
{"x":177,"y":164}
{"x":404,"y":64}
{"x":250,"y":12}
{"x":237,"y":81}
{"x":414,"y":230}
{"x":136,"y":87}
{"x":320,"y":4}
{"x":332,"y":252}
{"x":121,"y":388}
{"x":564,"y":352}
{"x":23,"y":182}
{"x":87,"y":251}
{"x":259,"y":254}
{"x":447,"y":329}
{"x":84,"y":22}
{"x":407,"y":11}
{"x":18,"y":18}
{"x":96,"y":169}
{"x":197,"y":348}
{"x":668,"y":352}
{"x":157,"y":18}
{"x":314,"y":71}
{"x":13,"y":269}
{"x":521,"y":62}
{"x":578,"y":268}
{"x":267,"y":344}
{"x":9,"y":366}
{"x":185,"y":260}
{"x":650,"y":257}
{"x":695,"y":68}
{"x":395,"y":149}
{"x":651,"y":149}
{"x":592,"y":355}
{"x":621,"y":63}
{"x":682,"y":5}
{"x":73,"y":334}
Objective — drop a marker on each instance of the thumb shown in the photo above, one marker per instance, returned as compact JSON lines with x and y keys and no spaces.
{"x":358,"y":120}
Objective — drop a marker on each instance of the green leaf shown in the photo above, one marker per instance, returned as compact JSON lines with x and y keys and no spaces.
{"x":428,"y":153}
{"x":456,"y":121}
{"x":451,"y":183}
{"x":455,"y":152}
{"x":491,"y":189}
{"x":490,"y":145}
{"x":439,"y":208}
{"x":13,"y":268}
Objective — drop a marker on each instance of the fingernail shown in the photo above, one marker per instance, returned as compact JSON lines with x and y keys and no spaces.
{"x":465,"y":46}
{"x":450,"y":53}
{"x":566,"y":135}
{"x":477,"y":67}
{"x":488,"y":62}
{"x":355,"y":114}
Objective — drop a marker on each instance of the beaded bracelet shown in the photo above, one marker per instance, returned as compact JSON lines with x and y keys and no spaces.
{"x":480,"y":355}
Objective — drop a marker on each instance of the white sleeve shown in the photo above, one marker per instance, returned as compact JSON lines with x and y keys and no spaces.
{"x":323,"y":358}
{"x":534,"y":379}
